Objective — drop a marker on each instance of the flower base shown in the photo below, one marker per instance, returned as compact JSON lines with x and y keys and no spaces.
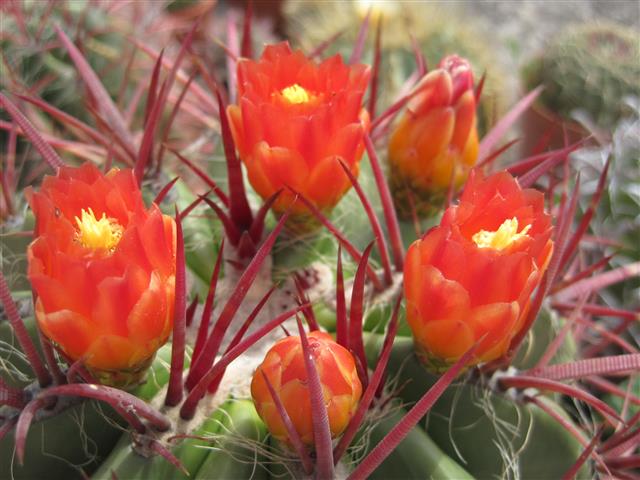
{"x":432,"y":364}
{"x":126,"y":379}
{"x":409,"y":197}
{"x":301,"y":224}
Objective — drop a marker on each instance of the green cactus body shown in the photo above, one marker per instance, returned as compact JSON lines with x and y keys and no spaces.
{"x":125,"y":462}
{"x":74,"y":440}
{"x":193,"y":452}
{"x":234,"y":454}
{"x":489,"y":433}
{"x":202,"y":240}
{"x":14,"y":368}
{"x":540,"y":336}
{"x":417,"y":456}
{"x":65,"y":445}
{"x":14,"y":246}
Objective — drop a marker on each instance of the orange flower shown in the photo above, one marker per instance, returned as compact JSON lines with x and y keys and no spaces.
{"x":103,"y":268}
{"x":436,"y":140}
{"x":294,"y":119}
{"x":285,"y":368}
{"x":473,"y":275}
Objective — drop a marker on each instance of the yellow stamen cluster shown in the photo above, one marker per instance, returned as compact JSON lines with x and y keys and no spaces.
{"x":295,"y":94}
{"x":98,"y":234}
{"x":506,"y":235}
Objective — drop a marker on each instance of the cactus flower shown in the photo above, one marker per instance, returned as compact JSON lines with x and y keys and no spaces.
{"x":435,"y":142}
{"x":472,"y":276}
{"x":284,"y":366}
{"x":294,"y":120}
{"x":102,"y":267}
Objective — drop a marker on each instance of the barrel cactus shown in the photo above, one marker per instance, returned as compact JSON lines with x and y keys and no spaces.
{"x":589,"y":67}
{"x":195,"y":329}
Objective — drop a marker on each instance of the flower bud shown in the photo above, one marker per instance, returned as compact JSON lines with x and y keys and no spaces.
{"x":435,"y":142}
{"x":284,"y":366}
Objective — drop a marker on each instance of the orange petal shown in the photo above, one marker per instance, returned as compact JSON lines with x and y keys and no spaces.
{"x":256,"y":173}
{"x":271,"y":416}
{"x":502,"y":280}
{"x":412,"y":280}
{"x":237,"y":130}
{"x":283,"y":167}
{"x":419,"y":140}
{"x":465,"y":113}
{"x":497,"y":321}
{"x":294,"y":367}
{"x":435,"y":91}
{"x":446,"y":339}
{"x":340,"y":412}
{"x":470,"y":152}
{"x":274,"y":51}
{"x":296,"y":400}
{"x":345,"y":143}
{"x":271,"y":367}
{"x":72,"y":332}
{"x":149,"y":317}
{"x":331,"y":375}
{"x":112,"y":352}
{"x":63,"y":293}
{"x":159,"y":249}
{"x":116,"y":296}
{"x":345,"y":367}
{"x":441,"y":298}
{"x":327,"y":183}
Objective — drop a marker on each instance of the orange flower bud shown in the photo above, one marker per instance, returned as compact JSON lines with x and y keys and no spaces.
{"x":294,"y":120}
{"x":473,"y":275}
{"x":436,"y":141}
{"x":103,"y":268}
{"x":284,"y":366}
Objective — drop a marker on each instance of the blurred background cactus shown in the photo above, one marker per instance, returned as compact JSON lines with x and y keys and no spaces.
{"x":617,"y":225}
{"x":437,"y":29}
{"x":588,"y":68}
